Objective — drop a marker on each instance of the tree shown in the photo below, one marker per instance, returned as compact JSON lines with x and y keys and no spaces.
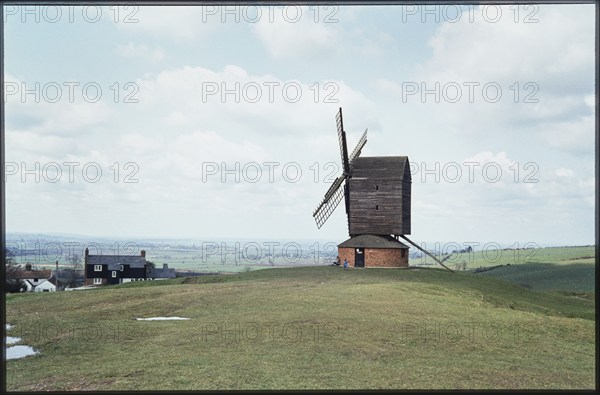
{"x":75,"y":262}
{"x":70,"y":275}
{"x":149,"y":267}
{"x":13,"y":281}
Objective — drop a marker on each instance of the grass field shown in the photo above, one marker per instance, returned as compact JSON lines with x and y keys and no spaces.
{"x":486,"y":257}
{"x":306,"y":328}
{"x":575,"y":277}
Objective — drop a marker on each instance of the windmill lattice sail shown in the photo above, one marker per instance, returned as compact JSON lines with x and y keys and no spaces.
{"x":342,"y":139}
{"x":337,"y":191}
{"x":332,"y":198}
{"x":361,"y":143}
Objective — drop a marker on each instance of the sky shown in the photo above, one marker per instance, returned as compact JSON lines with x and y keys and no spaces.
{"x":208,"y":122}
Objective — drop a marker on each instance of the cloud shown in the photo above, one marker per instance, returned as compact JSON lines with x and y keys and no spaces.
{"x":57,"y":108}
{"x":562,"y":172}
{"x":508,"y":78}
{"x":292,"y":33}
{"x":176,"y":130}
{"x":174,"y":23}
{"x":575,"y":136}
{"x":495,"y":198}
{"x":506,"y":51}
{"x":219,"y":106}
{"x":236,"y":102}
{"x":141,"y":52}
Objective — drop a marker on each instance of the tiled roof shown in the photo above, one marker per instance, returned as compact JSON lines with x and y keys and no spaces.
{"x":161,"y":273}
{"x":372,"y":241}
{"x":29,"y":274}
{"x":115,"y":261}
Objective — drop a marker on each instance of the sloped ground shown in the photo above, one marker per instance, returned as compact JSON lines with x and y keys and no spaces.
{"x":306,"y":328}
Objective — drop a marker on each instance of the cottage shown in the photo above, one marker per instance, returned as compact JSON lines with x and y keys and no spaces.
{"x":160,"y":274}
{"x":31,"y":278}
{"x":46,"y":286}
{"x":37,"y":280}
{"x":118,"y":269}
{"x":114,"y":269}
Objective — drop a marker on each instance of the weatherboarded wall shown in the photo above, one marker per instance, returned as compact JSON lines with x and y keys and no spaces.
{"x":377,"y":257}
{"x":90,"y":281}
{"x":380,"y":195}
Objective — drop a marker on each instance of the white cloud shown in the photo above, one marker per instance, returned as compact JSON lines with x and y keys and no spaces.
{"x":518,"y":203}
{"x":174,"y":131}
{"x":237,"y":102}
{"x":562,"y":172}
{"x":178,"y":125}
{"x":296,"y":35}
{"x":575,"y":136}
{"x":140,"y":52}
{"x":526,"y":77}
{"x":506,"y":51}
{"x":176,"y":23}
{"x":56,"y":108}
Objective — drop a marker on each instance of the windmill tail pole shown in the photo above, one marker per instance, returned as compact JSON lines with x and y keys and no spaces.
{"x":429,"y":254}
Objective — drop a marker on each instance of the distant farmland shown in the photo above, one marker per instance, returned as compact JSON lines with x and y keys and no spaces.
{"x":232,"y":256}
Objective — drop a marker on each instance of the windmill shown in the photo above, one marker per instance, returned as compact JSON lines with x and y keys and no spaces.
{"x":377,"y":195}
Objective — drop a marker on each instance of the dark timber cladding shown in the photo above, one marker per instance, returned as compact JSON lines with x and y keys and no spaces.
{"x":380,"y":195}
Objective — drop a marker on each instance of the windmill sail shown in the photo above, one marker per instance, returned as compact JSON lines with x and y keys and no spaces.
{"x":359,"y":146}
{"x":332,"y":198}
{"x":342,"y":139}
{"x":338,"y":191}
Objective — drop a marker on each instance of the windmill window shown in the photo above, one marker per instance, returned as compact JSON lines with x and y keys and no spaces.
{"x":114,"y":274}
{"x":97,"y":281}
{"x":97,"y":268}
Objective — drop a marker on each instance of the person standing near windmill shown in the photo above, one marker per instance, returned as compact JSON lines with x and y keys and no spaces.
{"x":345,"y":264}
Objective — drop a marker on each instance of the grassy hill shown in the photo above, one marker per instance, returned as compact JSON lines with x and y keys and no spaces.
{"x":562,"y":269}
{"x":485,"y":257}
{"x":574,"y":277}
{"x":306,"y":328}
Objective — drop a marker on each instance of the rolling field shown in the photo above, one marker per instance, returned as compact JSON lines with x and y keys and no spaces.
{"x":306,"y":328}
{"x":493,"y":257}
{"x":572,"y":277}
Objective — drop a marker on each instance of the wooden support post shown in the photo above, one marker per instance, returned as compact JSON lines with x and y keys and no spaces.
{"x":429,"y":254}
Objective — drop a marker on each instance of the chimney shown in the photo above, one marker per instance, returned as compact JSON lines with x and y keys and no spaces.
{"x":56,"y":265}
{"x":165,"y":266}
{"x":28,"y":266}
{"x":87,"y":252}
{"x":143,"y":253}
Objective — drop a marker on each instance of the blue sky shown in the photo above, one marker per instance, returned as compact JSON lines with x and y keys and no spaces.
{"x":168,"y":132}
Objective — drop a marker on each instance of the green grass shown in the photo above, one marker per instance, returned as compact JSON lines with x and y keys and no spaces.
{"x":483,"y":257}
{"x":320,"y":327}
{"x":574,"y":277}
{"x":560,"y":269}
